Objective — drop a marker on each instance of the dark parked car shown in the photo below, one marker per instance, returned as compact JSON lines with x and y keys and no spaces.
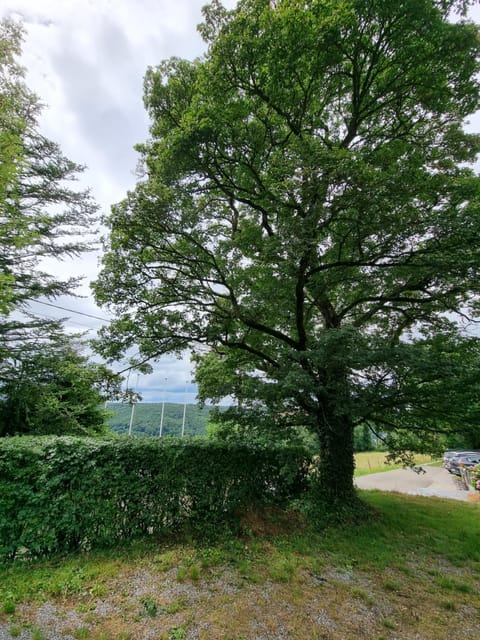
{"x":450,"y":457}
{"x":447,"y":456}
{"x":466,"y":460}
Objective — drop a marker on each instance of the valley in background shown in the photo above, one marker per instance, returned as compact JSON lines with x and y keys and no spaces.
{"x":147,"y":418}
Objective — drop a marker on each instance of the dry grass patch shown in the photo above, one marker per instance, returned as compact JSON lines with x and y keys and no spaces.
{"x":376,"y":462}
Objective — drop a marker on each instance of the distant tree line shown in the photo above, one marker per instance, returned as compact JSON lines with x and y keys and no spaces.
{"x":147,"y":418}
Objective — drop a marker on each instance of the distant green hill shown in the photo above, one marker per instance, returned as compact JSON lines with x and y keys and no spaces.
{"x":147,"y":415}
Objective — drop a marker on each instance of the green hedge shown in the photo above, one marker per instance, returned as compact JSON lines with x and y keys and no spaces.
{"x":64,"y":493}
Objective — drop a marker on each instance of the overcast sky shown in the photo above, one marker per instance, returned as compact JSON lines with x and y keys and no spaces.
{"x":86,"y":60}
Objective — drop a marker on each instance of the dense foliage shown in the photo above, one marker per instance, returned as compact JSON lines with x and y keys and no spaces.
{"x":69,"y":493}
{"x":54,"y":389}
{"x":308,"y":210}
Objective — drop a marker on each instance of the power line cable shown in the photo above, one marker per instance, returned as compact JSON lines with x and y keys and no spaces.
{"x":80,"y":313}
{"x":70,"y":321}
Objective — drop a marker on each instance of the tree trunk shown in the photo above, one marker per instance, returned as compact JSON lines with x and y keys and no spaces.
{"x":336,"y":464}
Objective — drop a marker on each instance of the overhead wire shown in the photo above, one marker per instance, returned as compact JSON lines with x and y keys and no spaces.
{"x":75,"y":322}
{"x":80,"y":313}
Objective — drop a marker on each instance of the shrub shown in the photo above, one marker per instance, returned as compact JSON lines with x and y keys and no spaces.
{"x":475,"y":477}
{"x":64,"y":493}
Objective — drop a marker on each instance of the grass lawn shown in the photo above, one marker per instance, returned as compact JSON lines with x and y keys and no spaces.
{"x":375,"y":462}
{"x":412,"y":572}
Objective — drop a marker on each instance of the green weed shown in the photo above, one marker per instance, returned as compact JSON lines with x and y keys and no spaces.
{"x":453,"y":585}
{"x":150,"y":607}
{"x":165,"y":561}
{"x":363,"y":595}
{"x":247,"y":571}
{"x":177,"y":633}
{"x":8,"y":607}
{"x":211,"y":557}
{"x":282,"y":567}
{"x":37,"y":634}
{"x":85,"y":607}
{"x":388,"y":623}
{"x":176,"y":606}
{"x":98,"y":590}
{"x":194,"y":573}
{"x":392,"y":585}
{"x":181,"y":574}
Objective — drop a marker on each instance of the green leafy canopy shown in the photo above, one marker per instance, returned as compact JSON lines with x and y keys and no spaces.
{"x":308,"y":212}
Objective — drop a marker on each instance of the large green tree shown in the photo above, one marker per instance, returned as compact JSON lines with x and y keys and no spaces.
{"x":308,"y":212}
{"x":42,"y":212}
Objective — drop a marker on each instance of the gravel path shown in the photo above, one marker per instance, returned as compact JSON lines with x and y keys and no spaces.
{"x":435,"y":481}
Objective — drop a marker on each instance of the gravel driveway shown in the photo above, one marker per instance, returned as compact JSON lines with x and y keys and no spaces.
{"x":435,"y":481}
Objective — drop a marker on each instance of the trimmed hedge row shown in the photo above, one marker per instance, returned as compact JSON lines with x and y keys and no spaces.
{"x":64,"y":493}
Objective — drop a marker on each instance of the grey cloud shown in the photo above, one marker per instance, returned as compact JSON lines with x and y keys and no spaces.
{"x":168,"y":382}
{"x":105,"y":98}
